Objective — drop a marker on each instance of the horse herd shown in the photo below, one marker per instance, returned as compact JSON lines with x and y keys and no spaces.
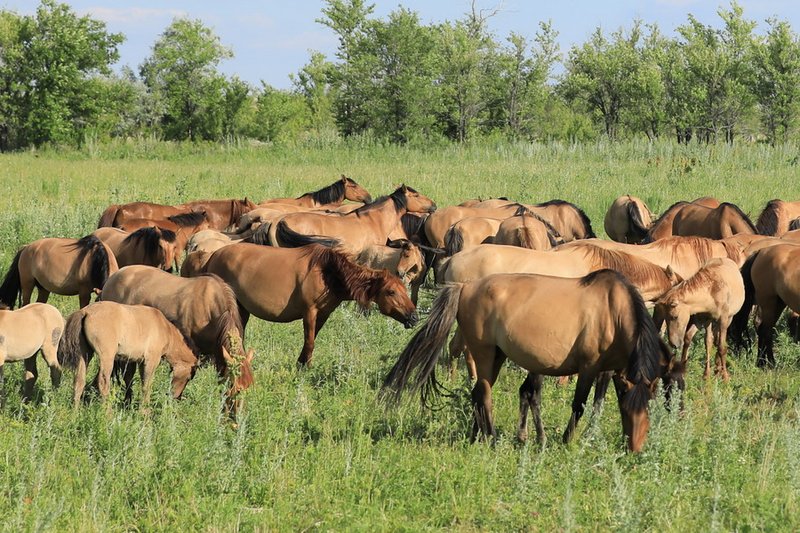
{"x":529,"y":283}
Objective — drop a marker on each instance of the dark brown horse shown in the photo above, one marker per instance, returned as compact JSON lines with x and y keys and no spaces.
{"x":220,"y":213}
{"x":147,"y":246}
{"x":331,"y":196}
{"x":308,"y":283}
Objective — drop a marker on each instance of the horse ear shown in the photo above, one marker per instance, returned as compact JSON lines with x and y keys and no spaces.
{"x":403,"y":187}
{"x":226,"y":354}
{"x":344,"y":178}
{"x":250,"y":353}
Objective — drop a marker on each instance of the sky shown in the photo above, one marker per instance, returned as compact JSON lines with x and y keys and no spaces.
{"x":271,"y":39}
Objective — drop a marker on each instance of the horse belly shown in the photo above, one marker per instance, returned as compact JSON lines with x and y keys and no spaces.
{"x":545,"y":347}
{"x":18,"y":347}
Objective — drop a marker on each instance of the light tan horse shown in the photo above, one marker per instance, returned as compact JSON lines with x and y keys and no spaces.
{"x":205,"y":310}
{"x":331,"y":196}
{"x":628,"y":220}
{"x":548,"y":326}
{"x":308,"y":283}
{"x":470,"y":232}
{"x":402,"y":258}
{"x":147,"y":246}
{"x":195,"y":263}
{"x":61,"y":266}
{"x":528,"y":230}
{"x":709,"y":300}
{"x":25,"y":332}
{"x":220,"y":213}
{"x":776,"y":217}
{"x":137,"y":334}
{"x":370,"y":224}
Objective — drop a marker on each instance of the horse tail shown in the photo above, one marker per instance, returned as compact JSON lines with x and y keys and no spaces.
{"x":635,"y":223}
{"x":424,"y":349}
{"x":453,"y":241}
{"x":73,"y":346}
{"x":100,"y":265}
{"x":525,"y":238}
{"x":11,"y":288}
{"x":768,"y":220}
{"x":794,"y":224}
{"x":288,"y":238}
{"x":738,"y":334}
{"x":109,"y":216}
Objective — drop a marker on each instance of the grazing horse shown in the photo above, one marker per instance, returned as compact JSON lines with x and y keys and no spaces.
{"x":628,"y":220}
{"x":708,"y":299}
{"x":24,"y":333}
{"x":308,"y":283}
{"x":528,"y":230}
{"x":367,"y":225}
{"x":718,"y":222}
{"x":402,"y":258}
{"x":147,"y":246}
{"x":61,"y":266}
{"x":777,"y":216}
{"x":470,"y":232}
{"x":137,"y":334}
{"x":662,"y":227}
{"x":184,"y":225}
{"x":772,"y":282}
{"x":548,"y":326}
{"x":204,"y":309}
{"x":331,"y":196}
{"x":220,"y":213}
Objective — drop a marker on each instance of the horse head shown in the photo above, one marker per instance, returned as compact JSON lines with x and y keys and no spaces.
{"x":355,"y":192}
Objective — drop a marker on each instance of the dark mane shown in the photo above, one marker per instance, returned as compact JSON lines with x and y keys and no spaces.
{"x":767,"y":223}
{"x":587,"y":223}
{"x":739,"y":212}
{"x":552,"y":233}
{"x":288,"y":238}
{"x":99,"y":261}
{"x":333,"y":193}
{"x":345,"y":278}
{"x":413,"y":224}
{"x":668,"y":214}
{"x":398,"y":197}
{"x":192,"y":218}
{"x":636,"y":225}
{"x":149,"y":239}
{"x":794,"y":224}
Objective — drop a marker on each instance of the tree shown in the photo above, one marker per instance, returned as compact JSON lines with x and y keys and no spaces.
{"x":314,"y":82}
{"x":182,"y":74}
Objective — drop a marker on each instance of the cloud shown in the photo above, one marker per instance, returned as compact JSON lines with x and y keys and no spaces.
{"x":133,"y":15}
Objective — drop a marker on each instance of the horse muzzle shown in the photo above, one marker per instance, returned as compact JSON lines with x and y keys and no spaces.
{"x":411,"y":320}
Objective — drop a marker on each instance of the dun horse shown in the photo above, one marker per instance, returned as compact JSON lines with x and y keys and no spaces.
{"x":628,"y":220}
{"x":470,"y":232}
{"x":402,"y":258}
{"x":331,"y":196}
{"x":151,"y":246}
{"x":308,"y":283}
{"x":548,"y":326}
{"x":24,"y":333}
{"x":137,"y":334}
{"x":220,"y":213}
{"x":777,"y":216}
{"x":662,"y":227}
{"x":61,"y":266}
{"x":528,"y":230}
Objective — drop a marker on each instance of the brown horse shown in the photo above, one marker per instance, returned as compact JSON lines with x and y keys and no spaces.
{"x":183,"y":225}
{"x":205,"y":310}
{"x":137,"y":334}
{"x":370,"y":224}
{"x":709,"y":299}
{"x":402,"y":258}
{"x":662,"y":227}
{"x":776,"y":217}
{"x":548,"y":326}
{"x":628,"y":220}
{"x":220,"y":213}
{"x":61,"y":266}
{"x":331,"y":196}
{"x":147,"y":246}
{"x":24,"y":333}
{"x":470,"y":232}
{"x":528,"y":230}
{"x":772,"y":282}
{"x":718,"y":222}
{"x":308,"y":283}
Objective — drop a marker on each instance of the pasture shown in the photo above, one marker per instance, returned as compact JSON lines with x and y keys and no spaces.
{"x":315,"y":449}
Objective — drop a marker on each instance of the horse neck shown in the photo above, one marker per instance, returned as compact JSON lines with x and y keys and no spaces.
{"x":386,"y":217}
{"x":176,"y":349}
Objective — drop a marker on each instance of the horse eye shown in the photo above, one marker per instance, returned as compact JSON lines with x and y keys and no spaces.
{"x":390,"y":292}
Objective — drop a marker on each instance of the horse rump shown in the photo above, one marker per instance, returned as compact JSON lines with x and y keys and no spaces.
{"x":73,"y":346}
{"x":11,"y":288}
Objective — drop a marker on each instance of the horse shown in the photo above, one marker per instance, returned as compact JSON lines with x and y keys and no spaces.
{"x":567,"y":219}
{"x":183,"y":225}
{"x":777,"y":216}
{"x":308,"y":283}
{"x":652,"y":280}
{"x":528,"y":230}
{"x":470,"y":232}
{"x":137,"y":334}
{"x":548,"y":326}
{"x":24,"y":333}
{"x":204,"y":308}
{"x":195,"y":261}
{"x":367,"y":225}
{"x":662,"y":227}
{"x":146,"y":246}
{"x":220,"y":213}
{"x":709,"y":300}
{"x":61,"y":266}
{"x":628,"y":220}
{"x":719,"y":222}
{"x":333,"y":195}
{"x":402,"y":258}
{"x":772,"y":282}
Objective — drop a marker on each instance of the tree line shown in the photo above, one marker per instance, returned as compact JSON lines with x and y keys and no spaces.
{"x":399,"y":80}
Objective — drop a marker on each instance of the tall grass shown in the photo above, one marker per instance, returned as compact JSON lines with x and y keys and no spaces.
{"x":314,"y":450}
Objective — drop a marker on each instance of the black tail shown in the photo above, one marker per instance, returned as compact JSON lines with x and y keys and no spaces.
{"x":11,"y":289}
{"x":635,"y":223}
{"x":424,"y":349}
{"x":453,"y":241}
{"x":288,"y":238}
{"x":73,"y":346}
{"x":738,"y":333}
{"x":794,"y":224}
{"x":100,"y":264}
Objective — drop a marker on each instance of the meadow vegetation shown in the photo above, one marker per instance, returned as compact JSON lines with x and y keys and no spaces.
{"x":314,"y":448}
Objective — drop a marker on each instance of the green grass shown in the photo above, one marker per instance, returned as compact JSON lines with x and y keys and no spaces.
{"x":315,"y":450}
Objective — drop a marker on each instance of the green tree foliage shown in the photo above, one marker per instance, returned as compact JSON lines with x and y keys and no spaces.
{"x":182,"y":75}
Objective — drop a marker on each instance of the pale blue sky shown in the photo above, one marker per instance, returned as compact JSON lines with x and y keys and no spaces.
{"x":271,"y":38}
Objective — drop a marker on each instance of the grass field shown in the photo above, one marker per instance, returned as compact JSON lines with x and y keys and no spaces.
{"x":315,"y":450}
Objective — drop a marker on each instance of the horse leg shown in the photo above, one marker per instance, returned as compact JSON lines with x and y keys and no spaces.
{"x":766,"y":329}
{"x":79,"y":382}
{"x":147,"y":370}
{"x":84,"y":298}
{"x":488,"y":361}
{"x":582,"y":388}
{"x":128,"y":373}
{"x":688,"y":336}
{"x":600,"y":388}
{"x":455,"y":350}
{"x":42,"y":296}
{"x":31,"y":373}
{"x":104,"y":373}
{"x":530,"y":395}
{"x":2,"y":383}
{"x":722,"y":350}
{"x":50,"y":354}
{"x":709,"y":343}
